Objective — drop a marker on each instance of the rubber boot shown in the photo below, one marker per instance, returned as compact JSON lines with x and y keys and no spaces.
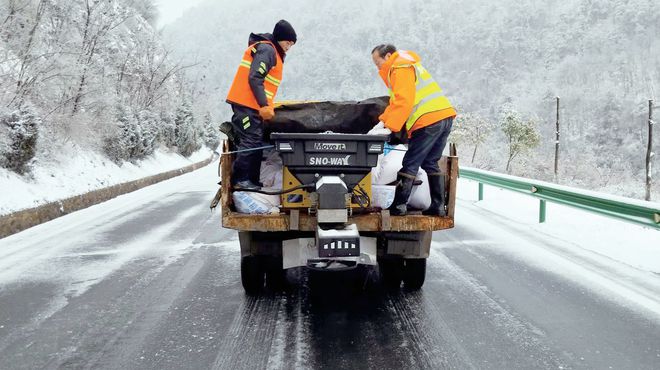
{"x":404,"y":186}
{"x":246,"y":185}
{"x":255,"y":171}
{"x":437,"y":186}
{"x":255,"y":180}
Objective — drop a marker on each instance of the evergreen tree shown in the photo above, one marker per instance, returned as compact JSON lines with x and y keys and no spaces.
{"x":119,"y":146}
{"x":185,"y":133}
{"x":167,"y":129}
{"x":20,"y":129}
{"x":149,"y":124}
{"x":211,"y":132}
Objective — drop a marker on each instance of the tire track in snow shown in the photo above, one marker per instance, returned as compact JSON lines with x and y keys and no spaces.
{"x":78,"y":280}
{"x":290,"y":343}
{"x":424,"y":346}
{"x":253,"y":328}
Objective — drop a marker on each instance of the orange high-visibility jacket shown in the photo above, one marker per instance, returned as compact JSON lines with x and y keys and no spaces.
{"x":240,"y":91}
{"x":416,"y":100}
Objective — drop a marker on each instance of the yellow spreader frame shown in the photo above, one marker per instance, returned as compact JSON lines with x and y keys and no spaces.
{"x":303,"y":199}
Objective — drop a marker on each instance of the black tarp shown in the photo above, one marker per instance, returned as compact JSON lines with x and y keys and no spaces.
{"x":345,"y":117}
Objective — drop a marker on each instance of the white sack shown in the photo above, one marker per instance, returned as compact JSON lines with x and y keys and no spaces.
{"x":382,"y":196}
{"x":256,"y":203}
{"x":271,"y":171}
{"x":388,"y":166}
{"x":386,"y":172}
{"x":420,"y":198}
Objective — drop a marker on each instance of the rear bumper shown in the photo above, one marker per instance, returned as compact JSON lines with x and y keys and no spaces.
{"x":372,"y":222}
{"x":299,"y":252}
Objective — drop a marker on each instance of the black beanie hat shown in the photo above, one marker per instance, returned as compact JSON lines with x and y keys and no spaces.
{"x":284,"y":32}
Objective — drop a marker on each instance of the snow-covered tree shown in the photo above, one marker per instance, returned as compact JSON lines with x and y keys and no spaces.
{"x":149,"y":133}
{"x":147,"y":9}
{"x":99,"y":19}
{"x":120,"y":144}
{"x":18,"y":135}
{"x":135,"y":135}
{"x":521,"y":134}
{"x":167,"y":129}
{"x":211,"y":132}
{"x":75,"y":62}
{"x":471,"y":129}
{"x":186,"y":132}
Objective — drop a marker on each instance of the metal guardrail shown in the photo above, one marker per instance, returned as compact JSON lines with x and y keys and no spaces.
{"x":631,"y":210}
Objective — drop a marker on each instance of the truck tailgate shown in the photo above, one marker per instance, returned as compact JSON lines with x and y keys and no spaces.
{"x":301,"y":221}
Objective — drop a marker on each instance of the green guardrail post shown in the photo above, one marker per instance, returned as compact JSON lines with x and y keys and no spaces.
{"x":542,"y":211}
{"x":481,"y":191}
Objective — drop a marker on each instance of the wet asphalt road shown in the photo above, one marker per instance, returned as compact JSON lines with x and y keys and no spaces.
{"x":155,"y":284}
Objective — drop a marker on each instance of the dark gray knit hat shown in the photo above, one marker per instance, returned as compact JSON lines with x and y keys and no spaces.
{"x":284,"y":32}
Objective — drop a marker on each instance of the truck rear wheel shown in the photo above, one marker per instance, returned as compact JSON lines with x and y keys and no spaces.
{"x":275,"y":273}
{"x":391,"y":272}
{"x":252,"y":274}
{"x":414,"y":273}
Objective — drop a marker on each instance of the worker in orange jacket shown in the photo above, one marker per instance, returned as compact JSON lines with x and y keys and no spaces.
{"x":251,"y":97}
{"x":417,"y":104}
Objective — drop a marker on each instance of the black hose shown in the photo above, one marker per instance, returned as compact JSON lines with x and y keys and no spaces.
{"x":279,"y":192}
{"x":249,"y":150}
{"x":361,"y":196}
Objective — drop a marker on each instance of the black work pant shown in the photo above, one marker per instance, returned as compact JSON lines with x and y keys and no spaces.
{"x":248,"y":128}
{"x":425,"y":148}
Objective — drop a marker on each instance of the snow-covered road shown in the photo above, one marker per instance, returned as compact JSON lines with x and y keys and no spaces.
{"x":150,"y":280}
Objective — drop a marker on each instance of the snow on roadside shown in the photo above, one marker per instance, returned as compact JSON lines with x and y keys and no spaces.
{"x":634,"y":245}
{"x":83,"y":171}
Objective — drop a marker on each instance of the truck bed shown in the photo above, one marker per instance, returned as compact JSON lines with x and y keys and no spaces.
{"x":295,"y":220}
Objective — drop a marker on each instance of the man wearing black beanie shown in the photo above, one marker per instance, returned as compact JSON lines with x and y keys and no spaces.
{"x":252,"y":95}
{"x":284,"y":32}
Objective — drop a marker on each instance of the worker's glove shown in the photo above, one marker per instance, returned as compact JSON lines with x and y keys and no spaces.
{"x":379,"y":129}
{"x":267,"y":113}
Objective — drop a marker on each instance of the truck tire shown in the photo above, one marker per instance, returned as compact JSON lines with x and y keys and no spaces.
{"x":414,"y":273}
{"x":275,"y":273}
{"x":391,"y":272}
{"x":252,"y":274}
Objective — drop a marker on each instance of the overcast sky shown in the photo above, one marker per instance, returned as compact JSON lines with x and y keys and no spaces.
{"x":170,"y":10}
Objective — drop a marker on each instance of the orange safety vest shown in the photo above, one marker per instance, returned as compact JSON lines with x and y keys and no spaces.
{"x":240,"y":91}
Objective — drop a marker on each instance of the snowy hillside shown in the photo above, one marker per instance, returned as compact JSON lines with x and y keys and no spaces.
{"x":601,"y":57}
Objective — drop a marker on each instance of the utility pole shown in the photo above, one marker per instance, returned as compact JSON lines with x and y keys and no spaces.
{"x":557,"y":144}
{"x":649,"y":153}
